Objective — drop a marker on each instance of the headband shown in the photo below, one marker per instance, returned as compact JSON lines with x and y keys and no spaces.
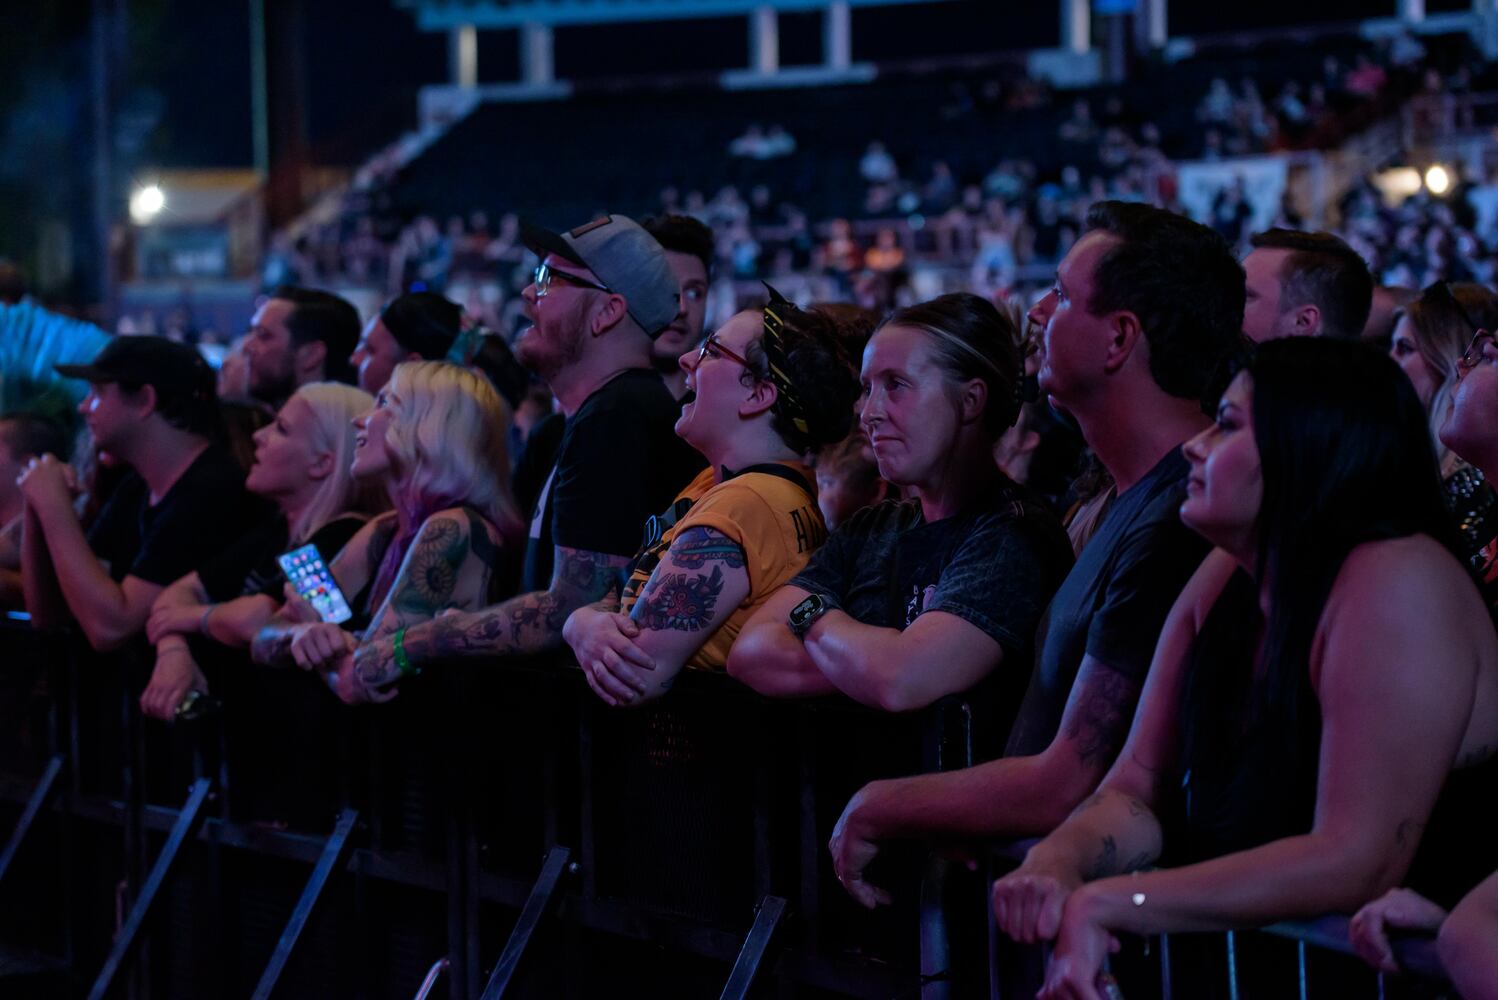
{"x":787,"y":402}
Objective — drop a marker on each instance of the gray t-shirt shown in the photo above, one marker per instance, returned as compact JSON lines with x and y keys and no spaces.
{"x":1114,"y":602}
{"x":994,"y":566}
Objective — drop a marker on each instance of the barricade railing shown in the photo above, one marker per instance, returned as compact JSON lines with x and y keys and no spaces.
{"x":1302,"y":959}
{"x":517,"y":805}
{"x":688,"y":822}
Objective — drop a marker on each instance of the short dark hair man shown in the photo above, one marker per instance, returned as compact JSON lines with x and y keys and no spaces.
{"x":602,"y":292}
{"x":416,"y":326}
{"x":151,"y":406}
{"x":1304,"y":285}
{"x":689,"y":251}
{"x":300,"y":335}
{"x":1145,"y":306}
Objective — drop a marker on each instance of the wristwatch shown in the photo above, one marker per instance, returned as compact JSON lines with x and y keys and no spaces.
{"x":804,"y":615}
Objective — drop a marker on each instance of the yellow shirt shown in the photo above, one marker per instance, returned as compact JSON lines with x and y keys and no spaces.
{"x":773,"y":519}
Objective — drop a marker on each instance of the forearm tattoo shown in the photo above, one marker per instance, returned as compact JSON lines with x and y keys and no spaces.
{"x":679,"y":601}
{"x":1098,"y":723}
{"x":432,"y":569}
{"x":528,"y":623}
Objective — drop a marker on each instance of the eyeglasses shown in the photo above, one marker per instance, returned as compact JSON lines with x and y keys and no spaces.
{"x":546,"y":274}
{"x":1475,"y":351}
{"x":712,"y":347}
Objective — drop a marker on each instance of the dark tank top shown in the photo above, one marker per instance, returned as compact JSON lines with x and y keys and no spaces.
{"x":1248,"y":765}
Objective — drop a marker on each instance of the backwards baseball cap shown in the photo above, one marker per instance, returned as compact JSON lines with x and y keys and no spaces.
{"x":424,"y":322}
{"x":176,"y":371}
{"x":627,"y":260}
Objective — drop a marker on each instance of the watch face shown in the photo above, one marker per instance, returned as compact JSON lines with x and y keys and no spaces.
{"x":807,"y":611}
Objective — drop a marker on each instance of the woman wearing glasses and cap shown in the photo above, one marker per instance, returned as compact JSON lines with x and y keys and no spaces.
{"x":771,"y":386}
{"x":1428,"y":343}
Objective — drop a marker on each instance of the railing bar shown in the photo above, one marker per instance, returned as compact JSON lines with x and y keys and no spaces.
{"x":334,"y":857}
{"x":1300,"y":965}
{"x":1165,"y":967}
{"x":34,"y":805}
{"x":1232,"y":944}
{"x":129,"y":936}
{"x":535,"y":908}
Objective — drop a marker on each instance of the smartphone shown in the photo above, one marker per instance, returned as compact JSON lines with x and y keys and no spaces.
{"x":313,"y":582}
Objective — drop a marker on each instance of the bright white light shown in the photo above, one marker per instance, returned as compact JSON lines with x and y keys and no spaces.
{"x":1437,"y":181}
{"x":146,"y":203}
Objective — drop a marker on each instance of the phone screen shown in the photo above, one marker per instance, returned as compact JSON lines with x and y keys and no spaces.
{"x":313,"y":582}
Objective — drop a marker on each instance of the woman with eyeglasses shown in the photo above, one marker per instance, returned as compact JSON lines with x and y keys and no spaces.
{"x":770,"y":387}
{"x":1429,"y":339}
{"x":1322,"y":679}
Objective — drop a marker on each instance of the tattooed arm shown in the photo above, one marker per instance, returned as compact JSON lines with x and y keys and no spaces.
{"x":1009,"y":798}
{"x":698,"y":584}
{"x":525,"y":624}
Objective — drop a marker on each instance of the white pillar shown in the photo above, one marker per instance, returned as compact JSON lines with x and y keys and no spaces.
{"x":837,"y":35}
{"x":1157,"y":31}
{"x":463,"y":56}
{"x":764,"y":41}
{"x":536,"y":49}
{"x":1412,"y":11}
{"x":1076,"y":26}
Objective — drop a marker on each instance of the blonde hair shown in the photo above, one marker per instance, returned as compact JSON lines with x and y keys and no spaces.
{"x":449,"y":443}
{"x":1441,"y":333}
{"x":334,"y":407}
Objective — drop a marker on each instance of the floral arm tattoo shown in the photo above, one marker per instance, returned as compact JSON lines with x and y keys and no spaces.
{"x":697,"y":586}
{"x":526,"y":623}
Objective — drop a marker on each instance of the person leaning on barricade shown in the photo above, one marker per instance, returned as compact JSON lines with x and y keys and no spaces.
{"x":23,"y":436}
{"x":1322,"y":712}
{"x":600,"y":293}
{"x":1145,"y":307}
{"x":436,"y":438}
{"x":913,"y":600}
{"x":303,"y":464}
{"x":770,"y":387}
{"x":152,"y":408}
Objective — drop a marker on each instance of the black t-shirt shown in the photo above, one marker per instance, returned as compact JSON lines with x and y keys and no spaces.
{"x":994,"y":566}
{"x":619,"y":462}
{"x":248,"y":566}
{"x":1114,"y":602}
{"x":206,"y":509}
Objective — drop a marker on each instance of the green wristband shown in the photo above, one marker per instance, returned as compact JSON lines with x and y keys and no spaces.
{"x":402,"y":661}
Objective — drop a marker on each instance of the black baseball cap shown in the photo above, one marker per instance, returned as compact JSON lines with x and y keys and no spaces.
{"x":174,"y":370}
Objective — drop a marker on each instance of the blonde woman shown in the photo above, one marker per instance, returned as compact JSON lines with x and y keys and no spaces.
{"x":302,"y":465}
{"x":436,"y":438}
{"x":1428,"y":343}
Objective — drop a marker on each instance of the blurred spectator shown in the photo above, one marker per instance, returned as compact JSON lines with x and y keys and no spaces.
{"x":690,"y":253}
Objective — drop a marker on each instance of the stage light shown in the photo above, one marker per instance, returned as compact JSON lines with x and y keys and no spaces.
{"x":146,"y":203}
{"x":1437,"y":180}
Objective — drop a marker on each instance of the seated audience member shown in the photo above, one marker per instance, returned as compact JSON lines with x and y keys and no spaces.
{"x":1145,"y":307}
{"x":151,"y":407}
{"x":303,"y":465}
{"x":848,"y":480}
{"x":1428,"y":343}
{"x":1285,"y":760}
{"x":1471,"y":432}
{"x":299,"y":335}
{"x":23,"y":436}
{"x":601,"y":293}
{"x":1304,"y":285}
{"x":770,"y":387}
{"x":916,"y":599}
{"x":689,"y":250}
{"x":436,"y":437}
{"x":1465,"y":936}
{"x":416,"y":326}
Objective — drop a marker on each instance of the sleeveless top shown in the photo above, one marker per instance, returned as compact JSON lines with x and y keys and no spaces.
{"x":1248,"y":766}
